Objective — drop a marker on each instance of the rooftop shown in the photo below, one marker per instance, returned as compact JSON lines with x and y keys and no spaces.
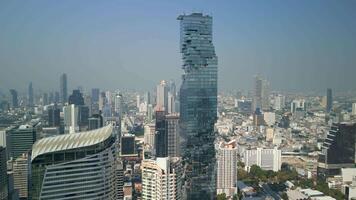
{"x":70,"y":141}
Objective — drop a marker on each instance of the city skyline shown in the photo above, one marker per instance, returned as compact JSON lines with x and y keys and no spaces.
{"x":312,"y":42}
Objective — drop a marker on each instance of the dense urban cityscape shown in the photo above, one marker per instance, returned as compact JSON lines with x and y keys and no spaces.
{"x":180,"y":140}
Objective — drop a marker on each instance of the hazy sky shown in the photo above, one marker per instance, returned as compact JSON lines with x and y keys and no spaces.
{"x":297,"y":45}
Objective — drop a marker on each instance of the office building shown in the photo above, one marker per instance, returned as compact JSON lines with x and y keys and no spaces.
{"x":261,"y":94}
{"x":30,"y":102}
{"x":119,"y":179}
{"x":329,"y":100}
{"x":149,"y":116}
{"x":138,"y":101}
{"x":198,"y":103}
{"x":128,"y":146}
{"x":54,"y":119}
{"x":80,"y":166}
{"x":20,"y":140}
{"x":269,"y":118}
{"x":171,"y":107}
{"x":95,"y":122}
{"x":161,"y":138}
{"x":95,"y":92}
{"x":149,"y":135}
{"x":226,"y":168}
{"x":353,"y":110}
{"x":162,"y":96}
{"x":119,"y":105}
{"x":76,"y":98}
{"x":267,"y":159}
{"x":14,"y":98}
{"x":244,"y":106}
{"x":338,"y":150}
{"x":161,"y":179}
{"x":298,"y":105}
{"x":279,"y":102}
{"x":19,"y":168}
{"x":172,"y":129}
{"x":63,"y":89}
{"x":71,"y":115}
{"x":3,"y":174}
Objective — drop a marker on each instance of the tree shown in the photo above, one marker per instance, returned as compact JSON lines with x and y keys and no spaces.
{"x":221,"y":196}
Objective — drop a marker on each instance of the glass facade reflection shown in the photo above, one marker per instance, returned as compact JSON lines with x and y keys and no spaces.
{"x":198,"y":104}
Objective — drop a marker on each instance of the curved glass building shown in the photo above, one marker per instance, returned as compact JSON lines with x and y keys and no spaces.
{"x":198,"y":104}
{"x":74,"y":166}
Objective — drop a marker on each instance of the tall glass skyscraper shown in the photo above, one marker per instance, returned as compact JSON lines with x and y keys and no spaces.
{"x":198,"y":104}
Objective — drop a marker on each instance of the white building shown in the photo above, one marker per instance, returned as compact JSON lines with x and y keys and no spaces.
{"x":162,"y":96}
{"x":279,"y":102}
{"x":269,"y":118}
{"x":267,"y":159}
{"x":354,"y":109}
{"x":161,"y":179}
{"x":149,"y":135}
{"x":227,"y":168}
{"x":19,"y":168}
{"x":297,"y":104}
{"x":71,"y":118}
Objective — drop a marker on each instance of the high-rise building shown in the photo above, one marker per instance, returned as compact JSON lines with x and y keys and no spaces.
{"x":226,"y":168}
{"x":71,"y":115}
{"x":19,"y":168}
{"x":149,"y":112}
{"x":161,"y":138}
{"x":338,"y":150}
{"x":95,"y":92}
{"x":80,"y":166}
{"x":14,"y":98}
{"x":57,"y":97}
{"x":329,"y":100}
{"x":162,"y":96}
{"x":54,"y":119}
{"x":171,"y":103}
{"x":161,"y":179}
{"x":198,"y":104}
{"x":279,"y":102}
{"x":147,"y":98}
{"x":20,"y":140}
{"x":76,"y":98}
{"x":30,"y":95}
{"x":353,"y":109}
{"x":149,"y":135}
{"x":63,"y":89}
{"x":3,"y":174}
{"x":95,"y":122}
{"x":267,"y":159}
{"x":298,"y":104}
{"x":138,"y":101}
{"x":128,"y":146}
{"x":172,"y":128}
{"x":45,"y":99}
{"x":261,"y":94}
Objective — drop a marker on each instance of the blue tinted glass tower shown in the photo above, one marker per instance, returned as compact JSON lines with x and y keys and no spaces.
{"x":198,"y":104}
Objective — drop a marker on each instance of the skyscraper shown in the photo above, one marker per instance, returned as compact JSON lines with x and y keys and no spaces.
{"x":95,"y":92}
{"x":80,"y":166}
{"x":30,"y":95}
{"x":338,"y":150}
{"x":198,"y":104}
{"x":227,"y":168}
{"x":260,"y":94}
{"x":161,"y":179}
{"x":161,"y":138}
{"x":71,"y":115}
{"x":162,"y":96}
{"x":63,"y":89}
{"x":19,"y":169}
{"x":172,"y":128}
{"x":14,"y":98}
{"x":20,"y":140}
{"x":329,"y":100}
{"x":76,"y":98}
{"x":171,"y":103}
{"x":3,"y":174}
{"x":54,"y":119}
